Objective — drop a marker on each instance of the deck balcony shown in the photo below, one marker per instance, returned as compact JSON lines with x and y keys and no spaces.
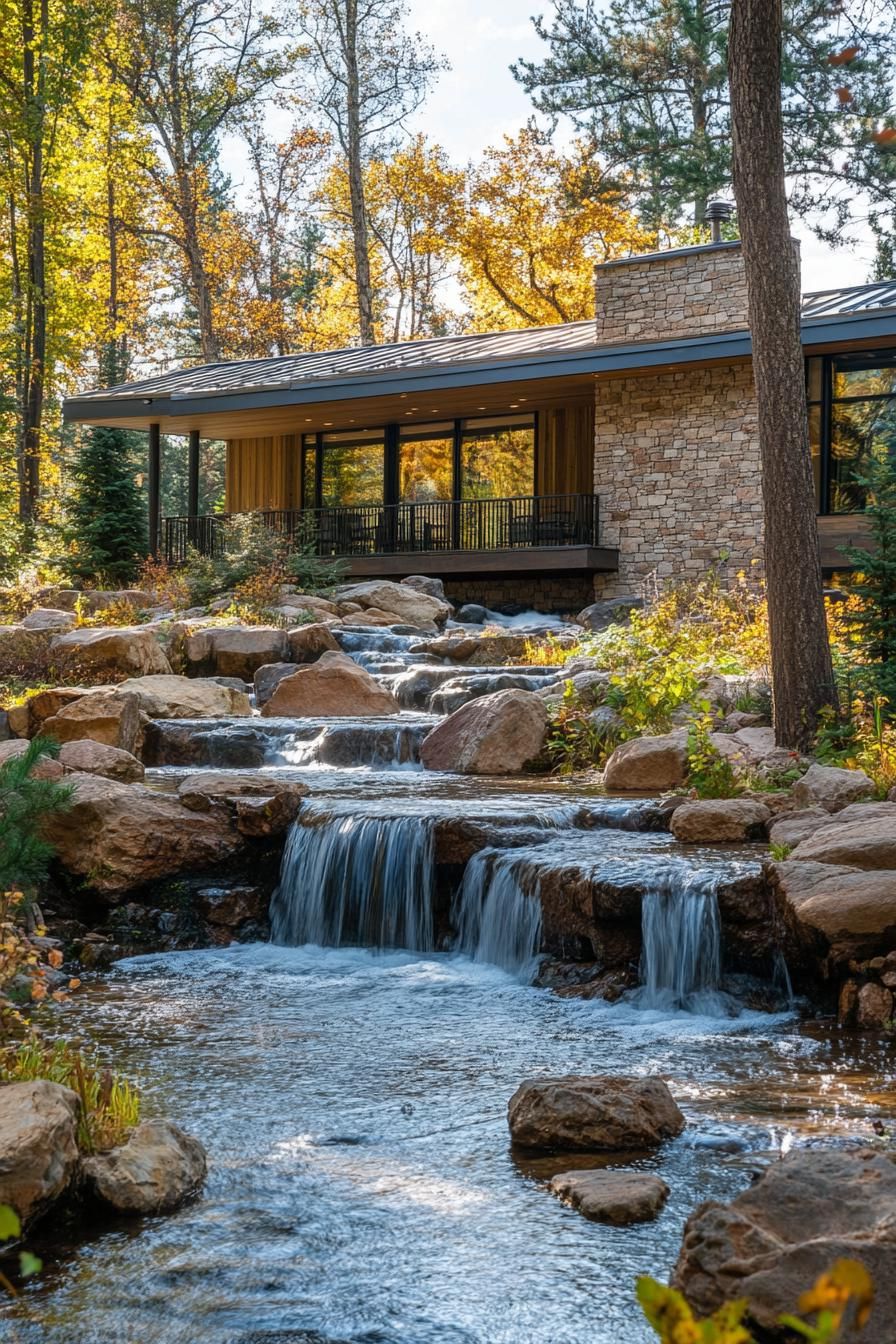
{"x":517,"y":535}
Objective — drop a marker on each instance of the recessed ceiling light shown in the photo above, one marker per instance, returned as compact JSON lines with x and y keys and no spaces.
{"x":328,"y":422}
{"x":480,"y":408}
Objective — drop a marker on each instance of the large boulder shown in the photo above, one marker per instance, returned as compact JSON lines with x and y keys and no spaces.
{"x":374,"y":616}
{"x":261,"y":804}
{"x":268,"y":678}
{"x":863,"y":836}
{"x":105,"y":716}
{"x":422,"y":583}
{"x":831,"y":787}
{"x":96,"y":758}
{"x":792,"y":827}
{"x":48,"y":618}
{"x":120,"y":836}
{"x":648,"y":764}
{"x":92,"y":600}
{"x":333,"y":687}
{"x":593,"y":1114}
{"x":753,"y":751}
{"x":158,"y":1168}
{"x":130,"y":650}
{"x":230,"y":650}
{"x":495,"y":735}
{"x":38,"y":1145}
{"x":306,"y":643}
{"x":618,"y":1197}
{"x":47,"y":767}
{"x":43,"y":705}
{"x":309,"y":602}
{"x":486,"y":650}
{"x":610,"y":611}
{"x":719,"y":820}
{"x":772,"y":1242}
{"x":175,"y":697}
{"x":839,"y":912}
{"x":409,"y":604}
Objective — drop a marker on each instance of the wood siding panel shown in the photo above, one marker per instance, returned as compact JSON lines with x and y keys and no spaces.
{"x":263,"y":473}
{"x":837,"y":530}
{"x":565,"y":450}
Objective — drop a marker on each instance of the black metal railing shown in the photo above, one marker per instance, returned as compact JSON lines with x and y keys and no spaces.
{"x":521,"y":522}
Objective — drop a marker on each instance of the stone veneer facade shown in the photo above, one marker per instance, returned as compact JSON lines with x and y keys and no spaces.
{"x":686,"y":291}
{"x":676,"y":465}
{"x":676,"y":457}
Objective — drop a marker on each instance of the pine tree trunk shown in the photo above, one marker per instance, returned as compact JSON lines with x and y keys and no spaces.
{"x":360,"y":240}
{"x":802,"y":679}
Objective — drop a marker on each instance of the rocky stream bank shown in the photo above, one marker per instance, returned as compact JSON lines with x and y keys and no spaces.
{"x":260,"y":803}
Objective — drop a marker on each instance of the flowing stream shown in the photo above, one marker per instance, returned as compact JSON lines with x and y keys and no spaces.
{"x":351,"y":1077}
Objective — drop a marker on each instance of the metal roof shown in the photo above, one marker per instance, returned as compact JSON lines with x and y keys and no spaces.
{"x":289,"y":371}
{"x":865,"y":312}
{"x":854,"y":299}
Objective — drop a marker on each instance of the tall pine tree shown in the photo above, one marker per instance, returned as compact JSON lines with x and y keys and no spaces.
{"x":648,"y":84}
{"x":107,"y":514}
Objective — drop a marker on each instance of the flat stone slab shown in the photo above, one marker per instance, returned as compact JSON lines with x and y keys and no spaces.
{"x":618,"y":1197}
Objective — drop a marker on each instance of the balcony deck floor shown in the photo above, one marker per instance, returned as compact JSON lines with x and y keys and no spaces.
{"x":475,"y":564}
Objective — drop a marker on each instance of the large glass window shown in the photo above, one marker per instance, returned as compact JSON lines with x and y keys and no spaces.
{"x":426,"y":463}
{"x":497,"y":461}
{"x":497,"y":458}
{"x":352,"y":471}
{"x":852,"y":423}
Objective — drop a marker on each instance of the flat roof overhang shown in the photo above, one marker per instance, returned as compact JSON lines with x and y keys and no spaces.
{"x":468,"y":388}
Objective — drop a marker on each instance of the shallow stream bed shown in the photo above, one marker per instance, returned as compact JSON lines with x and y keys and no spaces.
{"x":361,"y":1186}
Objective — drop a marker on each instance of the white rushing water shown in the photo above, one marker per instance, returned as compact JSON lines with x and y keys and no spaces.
{"x":497,"y":913}
{"x":681,"y":931}
{"x":360,"y":880}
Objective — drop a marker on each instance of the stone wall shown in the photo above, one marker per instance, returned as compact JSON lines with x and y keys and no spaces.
{"x":561,"y":596}
{"x":686,"y":292}
{"x":676,"y":466}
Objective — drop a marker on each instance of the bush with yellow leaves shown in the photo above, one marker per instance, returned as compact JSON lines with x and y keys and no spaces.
{"x":840,"y":1302}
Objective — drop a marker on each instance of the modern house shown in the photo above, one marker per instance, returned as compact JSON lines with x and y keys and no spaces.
{"x":542,"y":466}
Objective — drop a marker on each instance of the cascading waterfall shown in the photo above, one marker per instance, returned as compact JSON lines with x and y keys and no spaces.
{"x":681,"y":958}
{"x":497,"y":912}
{"x":356,"y":881}
{"x":372,"y":746}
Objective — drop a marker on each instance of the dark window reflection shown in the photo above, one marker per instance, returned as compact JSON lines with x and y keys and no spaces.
{"x":863,"y":424}
{"x":426,"y":463}
{"x":497,"y":459}
{"x":353,"y":468}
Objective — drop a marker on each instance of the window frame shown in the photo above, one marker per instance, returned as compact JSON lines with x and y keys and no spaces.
{"x":392,"y":433}
{"x":826,"y":401}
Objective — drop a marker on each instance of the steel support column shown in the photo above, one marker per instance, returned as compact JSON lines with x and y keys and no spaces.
{"x":154,"y":477}
{"x":193,"y":475}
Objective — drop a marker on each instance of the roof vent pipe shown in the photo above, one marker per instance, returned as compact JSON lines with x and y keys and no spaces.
{"x":717,"y":213}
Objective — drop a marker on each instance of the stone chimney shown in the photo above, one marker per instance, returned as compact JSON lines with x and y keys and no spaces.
{"x":686,"y":291}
